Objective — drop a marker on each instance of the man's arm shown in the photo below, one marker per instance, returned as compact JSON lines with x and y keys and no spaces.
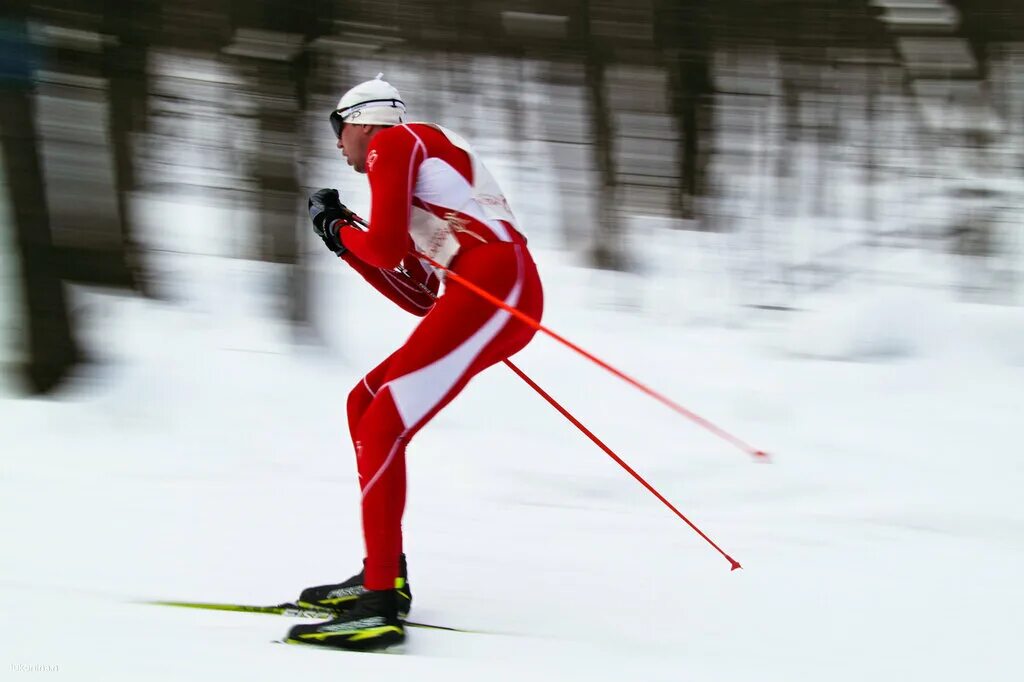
{"x":393,"y":158}
{"x":412,"y":287}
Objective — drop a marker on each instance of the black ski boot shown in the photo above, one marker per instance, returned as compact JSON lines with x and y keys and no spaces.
{"x":342,"y":596}
{"x":369,"y":624}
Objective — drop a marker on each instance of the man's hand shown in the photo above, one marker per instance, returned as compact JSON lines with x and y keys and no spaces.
{"x":329,"y":216}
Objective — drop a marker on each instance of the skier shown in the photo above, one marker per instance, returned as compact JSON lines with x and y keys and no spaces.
{"x":430,"y":196}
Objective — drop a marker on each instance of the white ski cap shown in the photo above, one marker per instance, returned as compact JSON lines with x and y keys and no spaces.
{"x":373,"y":102}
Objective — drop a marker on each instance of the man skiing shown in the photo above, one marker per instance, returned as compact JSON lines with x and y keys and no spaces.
{"x":431,"y":197}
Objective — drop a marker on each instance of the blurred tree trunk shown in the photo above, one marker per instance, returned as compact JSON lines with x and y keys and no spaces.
{"x":277,"y":180}
{"x":872,"y":73}
{"x":790,"y":157}
{"x":91,"y":181}
{"x":695,"y":115}
{"x":129,"y":22}
{"x":608,"y":244}
{"x":270,"y":45}
{"x":51,"y":348}
{"x":682,"y":33}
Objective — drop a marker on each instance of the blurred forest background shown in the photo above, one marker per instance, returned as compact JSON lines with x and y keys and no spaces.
{"x":824,"y":138}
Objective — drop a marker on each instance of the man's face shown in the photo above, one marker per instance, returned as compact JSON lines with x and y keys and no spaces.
{"x":353,"y":142}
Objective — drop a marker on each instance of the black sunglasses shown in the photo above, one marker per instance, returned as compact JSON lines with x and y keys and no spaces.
{"x":337,"y":123}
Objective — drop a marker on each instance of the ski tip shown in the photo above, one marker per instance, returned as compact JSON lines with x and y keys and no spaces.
{"x":430,"y":626}
{"x":762,"y":456}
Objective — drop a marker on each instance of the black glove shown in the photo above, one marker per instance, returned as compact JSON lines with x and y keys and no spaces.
{"x":329,"y":216}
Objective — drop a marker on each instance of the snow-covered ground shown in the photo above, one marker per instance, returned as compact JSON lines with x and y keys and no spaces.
{"x":204,"y":457}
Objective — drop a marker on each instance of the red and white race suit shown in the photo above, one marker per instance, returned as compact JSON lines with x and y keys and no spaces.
{"x":430,"y":196}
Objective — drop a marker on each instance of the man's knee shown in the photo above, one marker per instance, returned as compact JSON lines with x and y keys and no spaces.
{"x":380,"y":424}
{"x":359,"y":398}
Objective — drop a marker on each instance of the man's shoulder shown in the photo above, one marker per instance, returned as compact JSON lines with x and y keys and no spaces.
{"x":404,"y":136}
{"x":390,"y":137}
{"x":402,"y":142}
{"x":420,"y":127}
{"x":407,"y":130}
{"x":428,"y":133}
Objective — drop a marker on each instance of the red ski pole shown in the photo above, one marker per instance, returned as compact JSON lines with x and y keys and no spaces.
{"x":618,"y":460}
{"x":354,"y":219}
{"x":692,"y":416}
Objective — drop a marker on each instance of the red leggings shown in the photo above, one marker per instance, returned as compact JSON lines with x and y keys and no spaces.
{"x":461,"y":336}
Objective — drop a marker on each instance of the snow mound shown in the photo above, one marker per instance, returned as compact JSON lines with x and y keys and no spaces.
{"x":895,"y":323}
{"x":877,"y":325}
